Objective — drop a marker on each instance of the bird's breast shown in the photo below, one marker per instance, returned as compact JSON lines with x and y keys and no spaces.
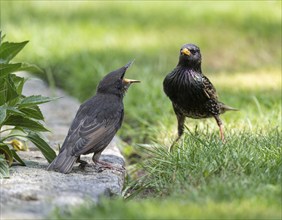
{"x":184,"y":85}
{"x":185,"y":90}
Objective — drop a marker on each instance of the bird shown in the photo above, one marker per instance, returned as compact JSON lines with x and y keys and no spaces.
{"x":95,"y":124}
{"x":192,"y":94}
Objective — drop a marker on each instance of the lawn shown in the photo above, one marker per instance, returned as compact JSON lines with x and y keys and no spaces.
{"x":78,"y":42}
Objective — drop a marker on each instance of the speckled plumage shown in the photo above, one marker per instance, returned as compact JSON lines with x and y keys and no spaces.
{"x":191,"y":93}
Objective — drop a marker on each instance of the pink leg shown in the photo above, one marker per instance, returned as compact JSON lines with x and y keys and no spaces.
{"x":220,"y":125}
{"x":105,"y":165}
{"x":109,"y":165}
{"x":221,"y":133}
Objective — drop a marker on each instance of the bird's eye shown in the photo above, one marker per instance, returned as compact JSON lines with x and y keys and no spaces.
{"x":192,"y":51}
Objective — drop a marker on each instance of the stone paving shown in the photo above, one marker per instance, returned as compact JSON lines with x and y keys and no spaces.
{"x":31,"y":192}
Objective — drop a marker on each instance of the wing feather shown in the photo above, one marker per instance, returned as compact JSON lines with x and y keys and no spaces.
{"x":209,"y":89}
{"x":95,"y":136}
{"x":94,"y":126}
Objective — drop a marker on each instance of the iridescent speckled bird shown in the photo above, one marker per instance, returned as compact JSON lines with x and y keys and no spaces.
{"x":191,"y":93}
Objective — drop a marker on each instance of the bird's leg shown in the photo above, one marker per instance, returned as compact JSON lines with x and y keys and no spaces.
{"x":221,"y":133}
{"x":103,"y":164}
{"x":220,"y":125}
{"x":106,"y":165}
{"x":82,"y":164}
{"x":180,"y":121}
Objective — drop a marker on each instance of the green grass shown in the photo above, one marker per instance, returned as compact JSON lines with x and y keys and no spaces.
{"x":202,"y":179}
{"x":173,"y":209}
{"x":79,"y":42}
{"x":202,"y":164}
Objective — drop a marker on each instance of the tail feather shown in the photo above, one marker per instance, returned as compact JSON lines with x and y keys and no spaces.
{"x":63,"y":163}
{"x":225,"y":108}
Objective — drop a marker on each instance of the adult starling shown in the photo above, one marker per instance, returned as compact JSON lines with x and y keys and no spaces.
{"x":96,"y":122}
{"x":191,"y":93}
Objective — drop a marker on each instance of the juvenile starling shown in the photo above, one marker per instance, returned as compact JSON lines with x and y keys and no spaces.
{"x":96,"y":122}
{"x":191,"y":93}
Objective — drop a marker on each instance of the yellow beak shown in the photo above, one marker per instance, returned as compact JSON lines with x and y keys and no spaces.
{"x":127,"y":81}
{"x":186,"y":51}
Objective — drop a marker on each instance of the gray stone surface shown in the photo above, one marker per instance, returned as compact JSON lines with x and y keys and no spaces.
{"x":32,"y":192}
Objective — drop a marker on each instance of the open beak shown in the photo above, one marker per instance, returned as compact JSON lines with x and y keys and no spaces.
{"x":129,"y":81}
{"x":185,"y":51}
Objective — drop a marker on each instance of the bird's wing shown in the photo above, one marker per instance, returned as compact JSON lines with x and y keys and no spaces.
{"x":94,"y":136}
{"x":93,"y":127}
{"x":73,"y":134}
{"x":209,"y":89}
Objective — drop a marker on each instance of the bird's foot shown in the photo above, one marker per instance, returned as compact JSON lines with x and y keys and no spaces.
{"x":173,"y":144}
{"x":171,"y":147}
{"x":82,"y":164}
{"x":104,"y":165}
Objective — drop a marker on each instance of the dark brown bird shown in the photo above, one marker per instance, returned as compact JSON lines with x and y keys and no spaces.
{"x":191,"y":93}
{"x":96,"y":122}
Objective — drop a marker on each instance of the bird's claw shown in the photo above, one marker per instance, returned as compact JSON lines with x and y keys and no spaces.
{"x":102,"y":165}
{"x":173,"y":144}
{"x":82,"y":164}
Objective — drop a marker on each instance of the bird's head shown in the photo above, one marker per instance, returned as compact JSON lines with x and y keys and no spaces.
{"x":190,"y":55}
{"x":115,"y":83}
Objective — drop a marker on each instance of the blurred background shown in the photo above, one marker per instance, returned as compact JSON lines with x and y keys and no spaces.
{"x":78,"y":42}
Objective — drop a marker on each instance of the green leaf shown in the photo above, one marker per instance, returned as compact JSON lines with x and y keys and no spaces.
{"x":35,"y":100}
{"x":46,"y":150}
{"x":17,"y":157}
{"x":18,"y":82}
{"x":2,"y":91}
{"x":4,"y":168}
{"x":14,"y":111}
{"x":8,"y":50}
{"x":11,"y":90}
{"x":3,"y":114}
{"x":19,"y":121}
{"x":31,"y":68}
{"x":18,"y":133}
{"x":5,"y":150}
{"x":33,"y":112}
{"x":7,"y":90}
{"x":6,"y":69}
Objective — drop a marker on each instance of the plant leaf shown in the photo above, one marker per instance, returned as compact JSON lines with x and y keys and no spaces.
{"x":4,"y":168}
{"x":4,"y":149}
{"x":6,"y":69}
{"x":8,"y":50}
{"x":19,"y":133}
{"x":35,"y":100}
{"x":18,"y":82}
{"x":19,"y":121}
{"x":46,"y":150}
{"x":14,"y":111}
{"x":17,"y":157}
{"x":3,"y":114}
{"x":33,"y":112}
{"x":11,"y":91}
{"x":31,"y":68}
